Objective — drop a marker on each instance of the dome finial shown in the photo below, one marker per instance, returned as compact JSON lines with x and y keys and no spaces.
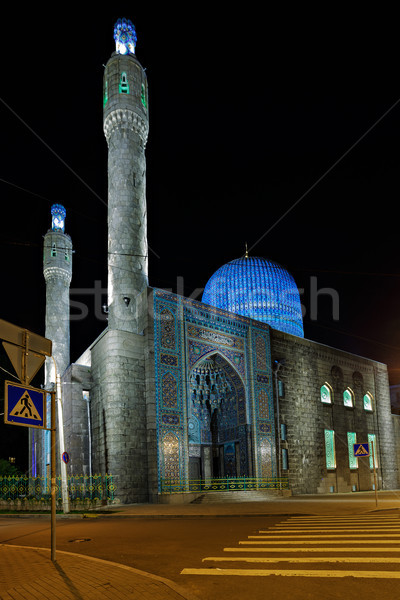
{"x":246,"y":255}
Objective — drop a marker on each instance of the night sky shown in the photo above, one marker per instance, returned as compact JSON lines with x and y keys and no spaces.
{"x":279,"y":130}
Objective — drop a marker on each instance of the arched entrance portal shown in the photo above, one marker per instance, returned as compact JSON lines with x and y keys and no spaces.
{"x":218,"y":431}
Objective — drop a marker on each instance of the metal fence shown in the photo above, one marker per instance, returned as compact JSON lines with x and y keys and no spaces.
{"x":81,"y":488}
{"x":172,"y":486}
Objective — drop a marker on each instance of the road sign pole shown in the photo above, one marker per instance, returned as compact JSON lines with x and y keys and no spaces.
{"x":53,"y":475}
{"x":375,"y":478}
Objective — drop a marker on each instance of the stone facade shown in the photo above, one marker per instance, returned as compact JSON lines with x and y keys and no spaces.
{"x":307,"y":367}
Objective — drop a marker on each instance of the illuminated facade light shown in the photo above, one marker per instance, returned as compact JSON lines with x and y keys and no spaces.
{"x":125,"y":37}
{"x":260,"y":289}
{"x":58,"y":214}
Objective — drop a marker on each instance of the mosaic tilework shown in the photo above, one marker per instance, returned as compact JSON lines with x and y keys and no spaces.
{"x":168,"y":329}
{"x":171,"y":463}
{"x":187,"y":333}
{"x":169,"y":391}
{"x":264,"y":416}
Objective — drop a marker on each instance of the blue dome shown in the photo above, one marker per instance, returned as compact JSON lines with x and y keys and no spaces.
{"x":260,"y":289}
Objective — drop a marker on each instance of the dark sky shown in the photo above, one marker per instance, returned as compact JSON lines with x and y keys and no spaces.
{"x":279,"y":130}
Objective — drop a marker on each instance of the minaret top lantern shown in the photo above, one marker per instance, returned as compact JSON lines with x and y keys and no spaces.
{"x":125,"y":37}
{"x":58,"y":214}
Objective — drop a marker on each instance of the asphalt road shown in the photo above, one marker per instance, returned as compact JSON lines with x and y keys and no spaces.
{"x":184,"y":550}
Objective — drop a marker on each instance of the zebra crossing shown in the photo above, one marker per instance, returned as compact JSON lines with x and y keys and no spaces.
{"x":364,"y":546}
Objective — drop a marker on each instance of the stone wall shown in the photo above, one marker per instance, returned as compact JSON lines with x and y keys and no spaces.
{"x":119,"y":414}
{"x":308,"y":366}
{"x":76,"y":395}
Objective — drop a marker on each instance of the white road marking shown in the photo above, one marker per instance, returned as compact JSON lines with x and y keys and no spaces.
{"x":331,"y":529}
{"x":338,"y":535}
{"x":294,"y":573}
{"x":310,"y":549}
{"x":296,"y":559}
{"x":319,"y":541}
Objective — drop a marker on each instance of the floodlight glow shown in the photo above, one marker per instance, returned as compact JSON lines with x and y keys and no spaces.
{"x":260,"y":289}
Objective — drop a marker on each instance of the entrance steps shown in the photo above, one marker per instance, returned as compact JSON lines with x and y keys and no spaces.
{"x":240,"y":496}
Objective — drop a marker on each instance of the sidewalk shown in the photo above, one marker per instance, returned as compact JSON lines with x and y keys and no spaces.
{"x":332,"y":504}
{"x":28,"y":574}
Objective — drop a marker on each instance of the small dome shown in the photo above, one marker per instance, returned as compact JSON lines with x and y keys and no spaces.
{"x":257,"y":288}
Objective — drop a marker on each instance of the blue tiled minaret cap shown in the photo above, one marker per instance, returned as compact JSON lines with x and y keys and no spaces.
{"x":58,"y":214}
{"x":260,"y":289}
{"x":125,"y":37}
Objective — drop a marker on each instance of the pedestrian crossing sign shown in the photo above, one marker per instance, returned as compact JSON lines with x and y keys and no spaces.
{"x":24,"y":405}
{"x":361,"y":450}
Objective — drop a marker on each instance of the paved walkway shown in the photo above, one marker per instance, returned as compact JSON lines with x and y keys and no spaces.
{"x":28,"y":573}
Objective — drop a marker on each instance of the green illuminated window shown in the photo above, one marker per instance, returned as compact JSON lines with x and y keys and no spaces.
{"x":372,"y":442}
{"x":123,"y":84}
{"x":326,"y":394}
{"x":53,"y":250}
{"x":348,"y":398}
{"x":352,"y":439}
{"x":105,"y":99}
{"x":368,"y":402}
{"x":144,"y":96}
{"x":330,"y":454}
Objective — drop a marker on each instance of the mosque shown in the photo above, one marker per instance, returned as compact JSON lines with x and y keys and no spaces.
{"x":176,"y":392}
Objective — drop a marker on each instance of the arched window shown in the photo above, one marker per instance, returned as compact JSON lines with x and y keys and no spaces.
{"x":348,"y":398}
{"x":367,"y":400}
{"x":123,"y":84}
{"x":326,"y":394}
{"x":53,"y":250}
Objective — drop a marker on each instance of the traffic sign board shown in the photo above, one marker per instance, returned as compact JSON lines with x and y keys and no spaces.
{"x":361,"y":450}
{"x":26,"y":350}
{"x":24,"y":405}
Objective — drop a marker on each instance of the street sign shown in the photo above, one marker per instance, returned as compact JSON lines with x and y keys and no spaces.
{"x":65,"y":457}
{"x":26,"y":350}
{"x":361,"y":450}
{"x":24,"y":405}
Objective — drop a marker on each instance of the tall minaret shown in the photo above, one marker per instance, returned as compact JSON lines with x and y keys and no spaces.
{"x":126,"y":130}
{"x":57,"y":271}
{"x":118,"y":401}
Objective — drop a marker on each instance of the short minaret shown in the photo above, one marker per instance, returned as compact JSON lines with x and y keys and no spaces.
{"x":57,"y":271}
{"x":126,"y":130}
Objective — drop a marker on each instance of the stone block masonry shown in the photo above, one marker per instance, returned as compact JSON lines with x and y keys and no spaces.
{"x":118,"y":412}
{"x":309,"y":366}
